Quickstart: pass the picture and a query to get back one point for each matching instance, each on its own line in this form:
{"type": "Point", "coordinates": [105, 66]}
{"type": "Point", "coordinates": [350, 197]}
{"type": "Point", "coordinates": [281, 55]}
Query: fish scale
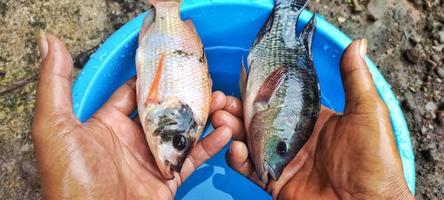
{"type": "Point", "coordinates": [174, 86]}
{"type": "Point", "coordinates": [281, 94]}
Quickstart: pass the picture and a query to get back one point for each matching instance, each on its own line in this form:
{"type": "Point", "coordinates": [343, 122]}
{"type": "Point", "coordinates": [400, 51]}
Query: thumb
{"type": "Point", "coordinates": [54, 83]}
{"type": "Point", "coordinates": [361, 94]}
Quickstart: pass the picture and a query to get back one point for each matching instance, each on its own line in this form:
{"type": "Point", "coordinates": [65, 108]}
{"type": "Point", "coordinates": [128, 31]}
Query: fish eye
{"type": "Point", "coordinates": [179, 142]}
{"type": "Point", "coordinates": [282, 148]}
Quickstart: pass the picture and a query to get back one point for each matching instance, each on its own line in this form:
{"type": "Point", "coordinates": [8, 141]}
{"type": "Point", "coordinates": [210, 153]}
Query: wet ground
{"type": "Point", "coordinates": [406, 41]}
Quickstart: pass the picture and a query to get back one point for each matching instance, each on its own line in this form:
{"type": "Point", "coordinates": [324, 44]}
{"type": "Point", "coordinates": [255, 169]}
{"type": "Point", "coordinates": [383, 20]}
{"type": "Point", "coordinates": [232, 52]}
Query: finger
{"type": "Point", "coordinates": [54, 84]}
{"type": "Point", "coordinates": [234, 106]}
{"type": "Point", "coordinates": [205, 149]}
{"type": "Point", "coordinates": [218, 102]}
{"type": "Point", "coordinates": [223, 118]}
{"type": "Point", "coordinates": [237, 158]}
{"type": "Point", "coordinates": [124, 99]}
{"type": "Point", "coordinates": [358, 81]}
{"type": "Point", "coordinates": [137, 120]}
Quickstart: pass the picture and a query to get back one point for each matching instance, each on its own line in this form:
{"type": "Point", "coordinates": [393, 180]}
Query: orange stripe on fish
{"type": "Point", "coordinates": [154, 90]}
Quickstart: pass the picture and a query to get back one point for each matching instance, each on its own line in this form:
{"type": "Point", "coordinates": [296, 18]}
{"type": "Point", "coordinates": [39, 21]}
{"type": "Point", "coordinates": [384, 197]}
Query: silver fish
{"type": "Point", "coordinates": [281, 95]}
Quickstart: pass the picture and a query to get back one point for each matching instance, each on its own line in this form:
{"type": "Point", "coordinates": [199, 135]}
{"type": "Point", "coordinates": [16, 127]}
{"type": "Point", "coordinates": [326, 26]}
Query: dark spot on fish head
{"type": "Point", "coordinates": [177, 129]}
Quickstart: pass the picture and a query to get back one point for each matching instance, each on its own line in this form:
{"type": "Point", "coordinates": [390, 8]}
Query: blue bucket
{"type": "Point", "coordinates": [227, 29]}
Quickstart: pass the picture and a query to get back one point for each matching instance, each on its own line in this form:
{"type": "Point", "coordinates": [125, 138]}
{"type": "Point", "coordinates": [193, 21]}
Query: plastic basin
{"type": "Point", "coordinates": [227, 29]}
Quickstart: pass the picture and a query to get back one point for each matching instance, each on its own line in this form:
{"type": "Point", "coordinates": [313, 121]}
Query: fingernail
{"type": "Point", "coordinates": [42, 42]}
{"type": "Point", "coordinates": [363, 48]}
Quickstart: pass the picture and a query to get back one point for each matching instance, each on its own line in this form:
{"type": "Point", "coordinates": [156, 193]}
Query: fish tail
{"type": "Point", "coordinates": [298, 4]}
{"type": "Point", "coordinates": [154, 2]}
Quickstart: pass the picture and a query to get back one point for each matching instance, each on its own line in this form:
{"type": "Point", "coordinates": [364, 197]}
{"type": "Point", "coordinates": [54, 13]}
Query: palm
{"type": "Point", "coordinates": [347, 146]}
{"type": "Point", "coordinates": [110, 153]}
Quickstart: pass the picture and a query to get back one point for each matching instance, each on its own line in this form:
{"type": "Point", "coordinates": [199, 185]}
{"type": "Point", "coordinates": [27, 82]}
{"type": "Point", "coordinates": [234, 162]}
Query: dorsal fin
{"type": "Point", "coordinates": [190, 25]}
{"type": "Point", "coordinates": [299, 4]}
{"type": "Point", "coordinates": [307, 34]}
{"type": "Point", "coordinates": [154, 2]}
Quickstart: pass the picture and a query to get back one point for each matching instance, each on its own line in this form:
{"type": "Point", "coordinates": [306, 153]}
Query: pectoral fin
{"type": "Point", "coordinates": [154, 90]}
{"type": "Point", "coordinates": [271, 84]}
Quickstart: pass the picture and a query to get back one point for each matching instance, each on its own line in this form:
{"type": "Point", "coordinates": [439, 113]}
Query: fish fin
{"type": "Point", "coordinates": [190, 25]}
{"type": "Point", "coordinates": [137, 87]}
{"type": "Point", "coordinates": [299, 4]}
{"type": "Point", "coordinates": [256, 146]}
{"type": "Point", "coordinates": [265, 28]}
{"type": "Point", "coordinates": [147, 22]}
{"type": "Point", "coordinates": [154, 2]}
{"type": "Point", "coordinates": [243, 79]}
{"type": "Point", "coordinates": [270, 85]}
{"type": "Point", "coordinates": [154, 90]}
{"type": "Point", "coordinates": [307, 34]}
{"type": "Point", "coordinates": [264, 178]}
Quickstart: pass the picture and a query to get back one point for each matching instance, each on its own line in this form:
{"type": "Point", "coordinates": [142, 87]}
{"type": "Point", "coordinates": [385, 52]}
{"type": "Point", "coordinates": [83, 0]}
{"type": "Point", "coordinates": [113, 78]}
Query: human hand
{"type": "Point", "coordinates": [106, 157]}
{"type": "Point", "coordinates": [349, 156]}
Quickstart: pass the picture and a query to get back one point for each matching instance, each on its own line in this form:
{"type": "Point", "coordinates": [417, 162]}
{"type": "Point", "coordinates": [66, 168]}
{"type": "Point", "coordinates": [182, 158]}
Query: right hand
{"type": "Point", "coordinates": [349, 156]}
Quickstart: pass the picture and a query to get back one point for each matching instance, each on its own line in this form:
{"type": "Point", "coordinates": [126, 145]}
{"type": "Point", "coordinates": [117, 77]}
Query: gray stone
{"type": "Point", "coordinates": [357, 6]}
{"type": "Point", "coordinates": [423, 130]}
{"type": "Point", "coordinates": [440, 72]}
{"type": "Point", "coordinates": [431, 106]}
{"type": "Point", "coordinates": [441, 36]}
{"type": "Point", "coordinates": [413, 55]}
{"type": "Point", "coordinates": [28, 169]}
{"type": "Point", "coordinates": [430, 155]}
{"type": "Point", "coordinates": [376, 9]}
{"type": "Point", "coordinates": [441, 117]}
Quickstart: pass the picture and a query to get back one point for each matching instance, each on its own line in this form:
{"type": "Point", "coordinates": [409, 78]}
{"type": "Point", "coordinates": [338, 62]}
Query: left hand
{"type": "Point", "coordinates": [107, 157]}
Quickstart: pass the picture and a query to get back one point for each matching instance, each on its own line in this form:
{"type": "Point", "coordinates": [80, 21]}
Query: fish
{"type": "Point", "coordinates": [173, 85]}
{"type": "Point", "coordinates": [280, 91]}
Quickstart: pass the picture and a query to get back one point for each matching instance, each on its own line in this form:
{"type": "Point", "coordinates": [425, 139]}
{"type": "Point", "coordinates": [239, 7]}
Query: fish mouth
{"type": "Point", "coordinates": [275, 173]}
{"type": "Point", "coordinates": [168, 169]}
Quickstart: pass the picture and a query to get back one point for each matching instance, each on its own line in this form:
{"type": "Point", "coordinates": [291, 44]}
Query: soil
{"type": "Point", "coordinates": [406, 40]}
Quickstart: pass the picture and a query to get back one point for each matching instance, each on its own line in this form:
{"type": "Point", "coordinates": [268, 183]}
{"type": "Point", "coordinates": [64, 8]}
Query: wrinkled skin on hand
{"type": "Point", "coordinates": [106, 157]}
{"type": "Point", "coordinates": [349, 156]}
